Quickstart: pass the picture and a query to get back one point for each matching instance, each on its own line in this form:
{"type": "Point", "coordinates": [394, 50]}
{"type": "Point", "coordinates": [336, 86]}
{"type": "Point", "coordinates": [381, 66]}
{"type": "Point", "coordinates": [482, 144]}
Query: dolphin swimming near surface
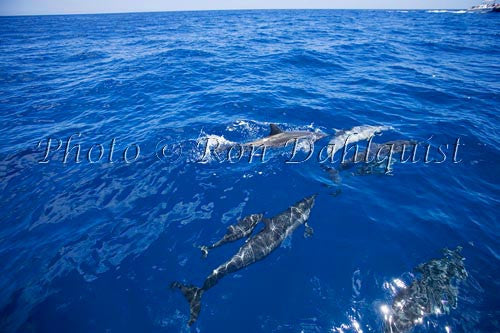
{"type": "Point", "coordinates": [371, 162]}
{"type": "Point", "coordinates": [256, 248]}
{"type": "Point", "coordinates": [241, 229]}
{"type": "Point", "coordinates": [383, 150]}
{"type": "Point", "coordinates": [434, 292]}
{"type": "Point", "coordinates": [279, 138]}
{"type": "Point", "coordinates": [355, 134]}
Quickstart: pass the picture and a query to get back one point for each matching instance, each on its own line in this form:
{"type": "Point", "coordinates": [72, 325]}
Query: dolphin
{"type": "Point", "coordinates": [370, 162]}
{"type": "Point", "coordinates": [241, 229]}
{"type": "Point", "coordinates": [434, 292]}
{"type": "Point", "coordinates": [255, 248]}
{"type": "Point", "coordinates": [355, 134]}
{"type": "Point", "coordinates": [383, 150]}
{"type": "Point", "coordinates": [279, 138]}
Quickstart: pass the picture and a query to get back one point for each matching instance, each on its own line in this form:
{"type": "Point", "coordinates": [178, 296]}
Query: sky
{"type": "Point", "coordinates": [42, 7]}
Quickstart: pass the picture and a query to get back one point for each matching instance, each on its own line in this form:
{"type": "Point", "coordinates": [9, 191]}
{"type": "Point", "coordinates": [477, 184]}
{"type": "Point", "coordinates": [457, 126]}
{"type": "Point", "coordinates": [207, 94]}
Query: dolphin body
{"type": "Point", "coordinates": [370, 163]}
{"type": "Point", "coordinates": [243, 228]}
{"type": "Point", "coordinates": [355, 134]}
{"type": "Point", "coordinates": [256, 248]}
{"type": "Point", "coordinates": [434, 292]}
{"type": "Point", "coordinates": [383, 150]}
{"type": "Point", "coordinates": [279, 138]}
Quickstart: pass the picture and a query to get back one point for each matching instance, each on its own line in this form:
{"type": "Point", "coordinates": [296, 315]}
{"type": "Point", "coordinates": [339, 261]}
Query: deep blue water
{"type": "Point", "coordinates": [93, 247]}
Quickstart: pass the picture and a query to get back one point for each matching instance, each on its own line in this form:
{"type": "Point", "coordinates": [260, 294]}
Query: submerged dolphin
{"type": "Point", "coordinates": [434, 292]}
{"type": "Point", "coordinates": [382, 150]}
{"type": "Point", "coordinates": [355, 134]}
{"type": "Point", "coordinates": [279, 138]}
{"type": "Point", "coordinates": [256, 248]}
{"type": "Point", "coordinates": [243, 228]}
{"type": "Point", "coordinates": [378, 153]}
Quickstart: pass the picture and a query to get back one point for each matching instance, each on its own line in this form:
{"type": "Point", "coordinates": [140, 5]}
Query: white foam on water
{"type": "Point", "coordinates": [246, 127]}
{"type": "Point", "coordinates": [206, 143]}
{"type": "Point", "coordinates": [240, 125]}
{"type": "Point", "coordinates": [447, 11]}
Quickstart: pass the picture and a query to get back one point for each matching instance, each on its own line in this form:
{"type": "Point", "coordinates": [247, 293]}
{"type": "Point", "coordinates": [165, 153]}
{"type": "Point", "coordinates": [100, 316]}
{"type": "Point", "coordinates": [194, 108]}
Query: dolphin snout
{"type": "Point", "coordinates": [312, 198]}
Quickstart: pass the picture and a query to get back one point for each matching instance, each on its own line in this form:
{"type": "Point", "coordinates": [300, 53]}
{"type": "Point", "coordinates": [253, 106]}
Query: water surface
{"type": "Point", "coordinates": [93, 247]}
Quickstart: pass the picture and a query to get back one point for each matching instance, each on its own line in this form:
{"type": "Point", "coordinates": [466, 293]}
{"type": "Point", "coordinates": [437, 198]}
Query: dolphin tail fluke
{"type": "Point", "coordinates": [204, 251]}
{"type": "Point", "coordinates": [193, 296]}
{"type": "Point", "coordinates": [309, 231]}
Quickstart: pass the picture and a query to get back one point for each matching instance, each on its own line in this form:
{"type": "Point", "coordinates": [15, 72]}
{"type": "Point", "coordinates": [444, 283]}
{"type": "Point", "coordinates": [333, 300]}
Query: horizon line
{"type": "Point", "coordinates": [225, 9]}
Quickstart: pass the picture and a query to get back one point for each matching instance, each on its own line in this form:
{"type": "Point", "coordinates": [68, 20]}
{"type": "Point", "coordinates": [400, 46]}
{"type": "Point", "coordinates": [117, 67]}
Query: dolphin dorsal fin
{"type": "Point", "coordinates": [275, 130]}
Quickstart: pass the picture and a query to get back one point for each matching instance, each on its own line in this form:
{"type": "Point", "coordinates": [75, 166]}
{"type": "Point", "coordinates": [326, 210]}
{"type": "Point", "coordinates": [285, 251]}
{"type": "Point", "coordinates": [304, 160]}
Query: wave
{"type": "Point", "coordinates": [447, 11]}
{"type": "Point", "coordinates": [86, 56]}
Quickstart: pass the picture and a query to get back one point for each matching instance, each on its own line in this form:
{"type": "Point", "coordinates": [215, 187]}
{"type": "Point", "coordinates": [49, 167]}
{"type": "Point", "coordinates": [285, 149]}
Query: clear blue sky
{"type": "Point", "coordinates": [28, 7]}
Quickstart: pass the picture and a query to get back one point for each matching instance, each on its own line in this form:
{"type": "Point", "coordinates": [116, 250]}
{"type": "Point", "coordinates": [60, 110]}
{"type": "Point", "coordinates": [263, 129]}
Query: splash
{"type": "Point", "coordinates": [437, 11]}
{"type": "Point", "coordinates": [211, 144]}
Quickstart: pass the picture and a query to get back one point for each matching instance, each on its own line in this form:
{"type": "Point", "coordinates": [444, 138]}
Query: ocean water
{"type": "Point", "coordinates": [93, 247]}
